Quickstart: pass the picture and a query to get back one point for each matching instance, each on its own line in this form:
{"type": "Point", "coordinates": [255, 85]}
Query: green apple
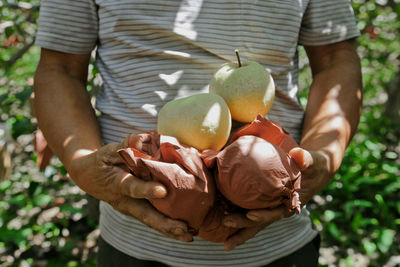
{"type": "Point", "coordinates": [248, 89]}
{"type": "Point", "coordinates": [202, 121]}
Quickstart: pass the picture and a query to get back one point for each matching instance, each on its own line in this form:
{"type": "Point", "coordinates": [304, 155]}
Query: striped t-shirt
{"type": "Point", "coordinates": [152, 51]}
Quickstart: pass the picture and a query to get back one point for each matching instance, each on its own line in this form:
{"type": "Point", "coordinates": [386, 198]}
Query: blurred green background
{"type": "Point", "coordinates": [45, 220]}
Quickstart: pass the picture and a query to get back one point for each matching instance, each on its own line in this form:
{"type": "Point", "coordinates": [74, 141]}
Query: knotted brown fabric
{"type": "Point", "coordinates": [254, 172]}
{"type": "Point", "coordinates": [190, 187]}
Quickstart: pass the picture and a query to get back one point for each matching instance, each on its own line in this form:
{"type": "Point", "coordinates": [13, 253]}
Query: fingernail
{"type": "Point", "coordinates": [159, 192]}
{"type": "Point", "coordinates": [186, 239]}
{"type": "Point", "coordinates": [253, 217]}
{"type": "Point", "coordinates": [178, 231]}
{"type": "Point", "coordinates": [228, 247]}
{"type": "Point", "coordinates": [229, 223]}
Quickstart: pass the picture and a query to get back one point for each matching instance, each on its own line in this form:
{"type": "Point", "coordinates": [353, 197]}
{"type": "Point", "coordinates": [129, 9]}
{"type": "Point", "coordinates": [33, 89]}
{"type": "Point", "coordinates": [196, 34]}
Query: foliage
{"type": "Point", "coordinates": [359, 211]}
{"type": "Point", "coordinates": [43, 215]}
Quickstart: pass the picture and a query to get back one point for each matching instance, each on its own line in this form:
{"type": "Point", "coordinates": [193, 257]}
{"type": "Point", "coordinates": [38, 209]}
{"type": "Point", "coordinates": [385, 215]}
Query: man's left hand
{"type": "Point", "coordinates": [315, 175]}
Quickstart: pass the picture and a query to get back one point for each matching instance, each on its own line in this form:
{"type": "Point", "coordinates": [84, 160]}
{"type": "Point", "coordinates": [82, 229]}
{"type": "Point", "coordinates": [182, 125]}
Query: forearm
{"type": "Point", "coordinates": [64, 113]}
{"type": "Point", "coordinates": [334, 105]}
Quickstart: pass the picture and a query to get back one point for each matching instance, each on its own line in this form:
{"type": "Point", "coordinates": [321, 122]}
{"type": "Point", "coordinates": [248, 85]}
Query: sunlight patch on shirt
{"type": "Point", "coordinates": [171, 79]}
{"type": "Point", "coordinates": [150, 108]}
{"type": "Point", "coordinates": [161, 94]}
{"type": "Point", "coordinates": [187, 14]}
{"type": "Point", "coordinates": [205, 89]}
{"type": "Point", "coordinates": [342, 29]}
{"type": "Point", "coordinates": [177, 53]}
{"type": "Point", "coordinates": [184, 91]}
{"type": "Point", "coordinates": [328, 28]}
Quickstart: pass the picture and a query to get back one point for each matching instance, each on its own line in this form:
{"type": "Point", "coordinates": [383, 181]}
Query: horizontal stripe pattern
{"type": "Point", "coordinates": [283, 238]}
{"type": "Point", "coordinates": [151, 51]}
{"type": "Point", "coordinates": [328, 22]}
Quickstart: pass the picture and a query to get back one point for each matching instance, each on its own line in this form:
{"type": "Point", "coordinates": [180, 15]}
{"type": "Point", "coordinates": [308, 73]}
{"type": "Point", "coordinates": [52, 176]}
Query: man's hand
{"type": "Point", "coordinates": [68, 121]}
{"type": "Point", "coordinates": [102, 175]}
{"type": "Point", "coordinates": [314, 168]}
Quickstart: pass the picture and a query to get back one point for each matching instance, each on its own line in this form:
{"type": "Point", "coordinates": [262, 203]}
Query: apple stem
{"type": "Point", "coordinates": [238, 57]}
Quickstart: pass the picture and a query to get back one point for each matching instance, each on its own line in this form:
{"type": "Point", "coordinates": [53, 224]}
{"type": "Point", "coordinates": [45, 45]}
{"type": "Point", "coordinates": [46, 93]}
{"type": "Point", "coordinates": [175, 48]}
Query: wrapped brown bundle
{"type": "Point", "coordinates": [254, 173]}
{"type": "Point", "coordinates": [190, 187]}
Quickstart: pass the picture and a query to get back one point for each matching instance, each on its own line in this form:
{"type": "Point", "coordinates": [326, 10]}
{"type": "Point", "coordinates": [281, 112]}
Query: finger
{"type": "Point", "coordinates": [302, 157]}
{"type": "Point", "coordinates": [238, 220]}
{"type": "Point", "coordinates": [268, 215]}
{"type": "Point", "coordinates": [144, 212]}
{"type": "Point", "coordinates": [135, 187]}
{"type": "Point", "coordinates": [135, 141]}
{"type": "Point", "coordinates": [241, 237]}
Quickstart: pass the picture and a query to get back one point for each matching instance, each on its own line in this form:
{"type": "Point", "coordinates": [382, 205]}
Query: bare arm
{"type": "Point", "coordinates": [63, 106]}
{"type": "Point", "coordinates": [335, 100]}
{"type": "Point", "coordinates": [69, 124]}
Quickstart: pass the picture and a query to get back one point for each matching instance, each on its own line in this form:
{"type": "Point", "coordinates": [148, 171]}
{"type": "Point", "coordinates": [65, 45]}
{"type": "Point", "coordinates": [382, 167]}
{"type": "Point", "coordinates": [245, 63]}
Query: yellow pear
{"type": "Point", "coordinates": [202, 121]}
{"type": "Point", "coordinates": [248, 89]}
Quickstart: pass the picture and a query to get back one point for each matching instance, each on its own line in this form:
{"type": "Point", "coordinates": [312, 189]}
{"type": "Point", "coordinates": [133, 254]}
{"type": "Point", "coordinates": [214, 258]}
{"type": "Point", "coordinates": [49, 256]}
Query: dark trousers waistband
{"type": "Point", "coordinates": [108, 256]}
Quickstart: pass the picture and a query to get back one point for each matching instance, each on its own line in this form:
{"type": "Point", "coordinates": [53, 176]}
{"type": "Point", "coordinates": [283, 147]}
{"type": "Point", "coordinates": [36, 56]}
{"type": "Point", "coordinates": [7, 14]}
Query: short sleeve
{"type": "Point", "coordinates": [69, 26]}
{"type": "Point", "coordinates": [326, 22]}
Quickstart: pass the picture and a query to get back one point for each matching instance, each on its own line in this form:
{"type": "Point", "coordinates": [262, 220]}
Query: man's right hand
{"type": "Point", "coordinates": [68, 121]}
{"type": "Point", "coordinates": [101, 173]}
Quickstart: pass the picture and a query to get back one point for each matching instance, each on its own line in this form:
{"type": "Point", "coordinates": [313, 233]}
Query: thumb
{"type": "Point", "coordinates": [136, 141]}
{"type": "Point", "coordinates": [302, 157]}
